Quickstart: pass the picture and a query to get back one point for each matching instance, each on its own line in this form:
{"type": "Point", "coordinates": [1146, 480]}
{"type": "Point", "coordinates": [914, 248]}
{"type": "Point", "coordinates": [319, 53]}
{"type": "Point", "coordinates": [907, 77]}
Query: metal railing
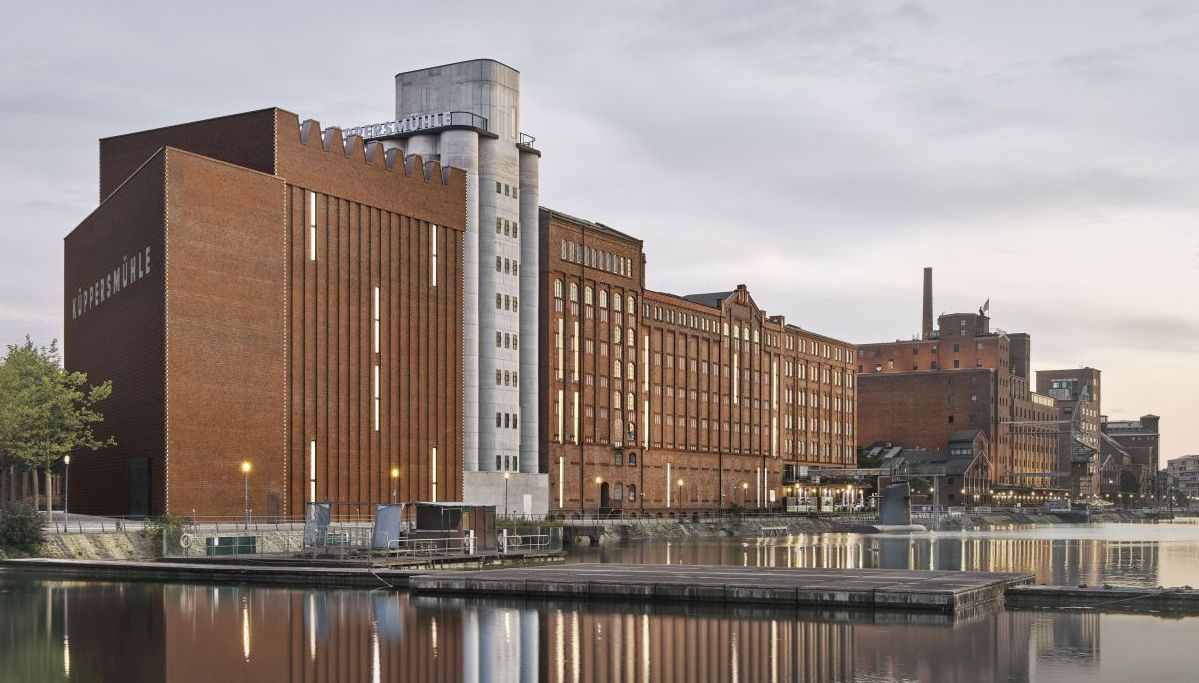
{"type": "Point", "coordinates": [527, 140]}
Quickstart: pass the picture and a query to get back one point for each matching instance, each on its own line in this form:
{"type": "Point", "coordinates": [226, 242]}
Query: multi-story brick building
{"type": "Point", "coordinates": [658, 401]}
{"type": "Point", "coordinates": [262, 291]}
{"type": "Point", "coordinates": [961, 375]}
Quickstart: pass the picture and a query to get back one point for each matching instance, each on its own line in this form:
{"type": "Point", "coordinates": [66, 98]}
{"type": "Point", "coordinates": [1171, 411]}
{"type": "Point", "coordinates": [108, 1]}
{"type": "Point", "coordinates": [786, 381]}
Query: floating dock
{"type": "Point", "coordinates": [1100, 599]}
{"type": "Point", "coordinates": [944, 591]}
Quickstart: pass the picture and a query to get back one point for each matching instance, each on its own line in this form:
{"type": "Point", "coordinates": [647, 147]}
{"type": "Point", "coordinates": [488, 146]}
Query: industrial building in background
{"type": "Point", "coordinates": [278, 309]}
{"type": "Point", "coordinates": [656, 401]}
{"type": "Point", "coordinates": [962, 375]}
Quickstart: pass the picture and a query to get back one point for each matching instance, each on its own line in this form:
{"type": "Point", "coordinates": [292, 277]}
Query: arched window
{"type": "Point", "coordinates": [736, 329]}
{"type": "Point", "coordinates": [745, 334]}
{"type": "Point", "coordinates": [756, 338]}
{"type": "Point", "coordinates": [726, 329]}
{"type": "Point", "coordinates": [587, 294]}
{"type": "Point", "coordinates": [616, 302]}
{"type": "Point", "coordinates": [632, 492]}
{"type": "Point", "coordinates": [629, 336]}
{"type": "Point", "coordinates": [616, 369]}
{"type": "Point", "coordinates": [603, 298]}
{"type": "Point", "coordinates": [630, 373]}
{"type": "Point", "coordinates": [629, 401]}
{"type": "Point", "coordinates": [557, 289]}
{"type": "Point", "coordinates": [574, 292]}
{"type": "Point", "coordinates": [632, 304]}
{"type": "Point", "coordinates": [616, 400]}
{"type": "Point", "coordinates": [616, 335]}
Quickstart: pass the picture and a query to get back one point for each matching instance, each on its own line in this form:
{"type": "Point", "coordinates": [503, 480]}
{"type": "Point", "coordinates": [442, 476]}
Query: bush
{"type": "Point", "coordinates": [21, 531]}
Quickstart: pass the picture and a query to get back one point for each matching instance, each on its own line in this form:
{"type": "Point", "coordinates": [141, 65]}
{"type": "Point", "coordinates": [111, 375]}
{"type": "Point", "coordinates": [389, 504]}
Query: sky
{"type": "Point", "coordinates": [1040, 155]}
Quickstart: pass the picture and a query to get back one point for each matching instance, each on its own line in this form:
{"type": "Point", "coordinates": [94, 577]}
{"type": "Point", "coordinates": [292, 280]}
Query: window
{"type": "Point", "coordinates": [499, 222]}
{"type": "Point", "coordinates": [629, 401]}
{"type": "Point", "coordinates": [499, 262]}
{"type": "Point", "coordinates": [574, 292]}
{"type": "Point", "coordinates": [632, 491]}
{"type": "Point", "coordinates": [616, 335]}
{"type": "Point", "coordinates": [632, 304]}
{"type": "Point", "coordinates": [557, 289]}
{"type": "Point", "coordinates": [587, 296]}
{"type": "Point", "coordinates": [616, 302]}
{"type": "Point", "coordinates": [618, 492]}
{"type": "Point", "coordinates": [497, 419]}
{"type": "Point", "coordinates": [515, 229]}
{"type": "Point", "coordinates": [629, 336]}
{"type": "Point", "coordinates": [617, 458]}
{"type": "Point", "coordinates": [632, 458]}
{"type": "Point", "coordinates": [498, 188]}
{"type": "Point", "coordinates": [603, 298]}
{"type": "Point", "coordinates": [499, 300]}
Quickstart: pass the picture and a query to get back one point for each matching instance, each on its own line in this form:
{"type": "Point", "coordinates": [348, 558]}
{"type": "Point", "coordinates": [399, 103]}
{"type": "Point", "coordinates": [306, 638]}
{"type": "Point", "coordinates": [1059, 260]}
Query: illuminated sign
{"type": "Point", "coordinates": [130, 270]}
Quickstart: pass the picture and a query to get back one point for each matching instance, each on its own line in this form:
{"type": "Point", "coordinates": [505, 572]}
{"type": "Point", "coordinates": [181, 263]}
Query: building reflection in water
{"type": "Point", "coordinates": [1052, 561]}
{"type": "Point", "coordinates": [155, 632]}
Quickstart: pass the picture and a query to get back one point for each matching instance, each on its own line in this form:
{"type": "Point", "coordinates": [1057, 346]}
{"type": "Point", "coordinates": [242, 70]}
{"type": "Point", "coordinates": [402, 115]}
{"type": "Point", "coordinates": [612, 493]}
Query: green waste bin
{"type": "Point", "coordinates": [231, 545]}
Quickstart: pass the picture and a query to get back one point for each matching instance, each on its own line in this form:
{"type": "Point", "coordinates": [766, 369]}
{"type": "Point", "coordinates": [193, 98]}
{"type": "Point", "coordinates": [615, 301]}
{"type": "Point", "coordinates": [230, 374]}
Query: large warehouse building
{"type": "Point", "coordinates": [261, 291]}
{"type": "Point", "coordinates": [656, 401]}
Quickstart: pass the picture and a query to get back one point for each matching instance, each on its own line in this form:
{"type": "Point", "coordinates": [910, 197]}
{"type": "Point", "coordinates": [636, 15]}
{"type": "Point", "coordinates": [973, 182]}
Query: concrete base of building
{"type": "Point", "coordinates": [526, 494]}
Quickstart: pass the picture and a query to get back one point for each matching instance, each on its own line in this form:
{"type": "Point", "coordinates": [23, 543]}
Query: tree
{"type": "Point", "coordinates": [46, 412]}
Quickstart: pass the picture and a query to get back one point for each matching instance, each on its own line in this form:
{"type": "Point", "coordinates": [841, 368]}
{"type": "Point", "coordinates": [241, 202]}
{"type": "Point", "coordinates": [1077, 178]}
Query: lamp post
{"type": "Point", "coordinates": [245, 470]}
{"type": "Point", "coordinates": [395, 480]}
{"type": "Point", "coordinates": [507, 475]}
{"type": "Point", "coordinates": [66, 487]}
{"type": "Point", "coordinates": [680, 490]}
{"type": "Point", "coordinates": [744, 493]}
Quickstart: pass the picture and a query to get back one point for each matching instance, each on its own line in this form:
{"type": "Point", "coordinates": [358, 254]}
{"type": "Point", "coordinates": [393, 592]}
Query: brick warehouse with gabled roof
{"type": "Point", "coordinates": [260, 290]}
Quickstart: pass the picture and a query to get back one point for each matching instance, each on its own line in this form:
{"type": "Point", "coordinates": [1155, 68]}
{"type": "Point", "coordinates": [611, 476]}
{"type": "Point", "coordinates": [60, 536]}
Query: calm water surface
{"type": "Point", "coordinates": [96, 631]}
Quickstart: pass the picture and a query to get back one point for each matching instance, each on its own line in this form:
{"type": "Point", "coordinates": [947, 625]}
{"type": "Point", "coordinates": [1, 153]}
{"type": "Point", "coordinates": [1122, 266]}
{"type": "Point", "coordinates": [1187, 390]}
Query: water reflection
{"type": "Point", "coordinates": [155, 632]}
{"type": "Point", "coordinates": [1130, 554]}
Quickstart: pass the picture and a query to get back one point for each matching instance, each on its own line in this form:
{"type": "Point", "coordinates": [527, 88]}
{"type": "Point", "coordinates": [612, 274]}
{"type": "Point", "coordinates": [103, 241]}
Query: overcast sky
{"type": "Point", "coordinates": [1040, 154]}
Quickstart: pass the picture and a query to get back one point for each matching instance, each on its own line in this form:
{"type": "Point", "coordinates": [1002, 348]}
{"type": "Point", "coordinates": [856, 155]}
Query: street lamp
{"type": "Point", "coordinates": [744, 493]}
{"type": "Point", "coordinates": [66, 486]}
{"type": "Point", "coordinates": [680, 482]}
{"type": "Point", "coordinates": [395, 480]}
{"type": "Point", "coordinates": [245, 470]}
{"type": "Point", "coordinates": [507, 475]}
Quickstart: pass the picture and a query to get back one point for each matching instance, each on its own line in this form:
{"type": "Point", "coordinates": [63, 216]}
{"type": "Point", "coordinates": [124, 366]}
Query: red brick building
{"type": "Point", "coordinates": [656, 401]}
{"type": "Point", "coordinates": [961, 375]}
{"type": "Point", "coordinates": [262, 291]}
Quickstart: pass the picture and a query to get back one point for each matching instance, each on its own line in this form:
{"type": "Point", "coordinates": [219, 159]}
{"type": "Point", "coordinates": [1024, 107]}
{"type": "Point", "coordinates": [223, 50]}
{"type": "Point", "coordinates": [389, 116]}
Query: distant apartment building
{"type": "Point", "coordinates": [1078, 398]}
{"type": "Point", "coordinates": [1182, 476]}
{"type": "Point", "coordinates": [962, 374]}
{"type": "Point", "coordinates": [657, 401]}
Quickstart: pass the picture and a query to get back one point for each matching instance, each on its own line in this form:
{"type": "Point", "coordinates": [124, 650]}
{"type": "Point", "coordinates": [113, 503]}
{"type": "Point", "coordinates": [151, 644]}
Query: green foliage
{"type": "Point", "coordinates": [170, 527]}
{"type": "Point", "coordinates": [21, 531]}
{"type": "Point", "coordinates": [46, 412]}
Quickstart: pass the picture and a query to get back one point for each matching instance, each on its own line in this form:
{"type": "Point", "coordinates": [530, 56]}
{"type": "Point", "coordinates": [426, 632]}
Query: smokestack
{"type": "Point", "coordinates": [926, 329]}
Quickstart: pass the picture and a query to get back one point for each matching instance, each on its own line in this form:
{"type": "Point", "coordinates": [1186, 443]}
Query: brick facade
{"type": "Point", "coordinates": [248, 340]}
{"type": "Point", "coordinates": [645, 389]}
{"type": "Point", "coordinates": [964, 375]}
